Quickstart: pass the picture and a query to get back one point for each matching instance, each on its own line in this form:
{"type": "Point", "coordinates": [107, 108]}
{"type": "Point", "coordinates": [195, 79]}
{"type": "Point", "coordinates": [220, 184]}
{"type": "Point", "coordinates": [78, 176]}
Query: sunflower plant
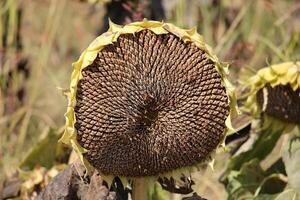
{"type": "Point", "coordinates": [273, 101]}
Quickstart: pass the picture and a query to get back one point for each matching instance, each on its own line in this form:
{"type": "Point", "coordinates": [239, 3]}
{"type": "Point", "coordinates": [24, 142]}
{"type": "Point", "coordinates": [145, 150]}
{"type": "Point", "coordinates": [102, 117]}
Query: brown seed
{"type": "Point", "coordinates": [149, 104]}
{"type": "Point", "coordinates": [280, 102]}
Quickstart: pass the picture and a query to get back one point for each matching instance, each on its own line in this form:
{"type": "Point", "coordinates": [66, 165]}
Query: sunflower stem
{"type": "Point", "coordinates": [140, 189]}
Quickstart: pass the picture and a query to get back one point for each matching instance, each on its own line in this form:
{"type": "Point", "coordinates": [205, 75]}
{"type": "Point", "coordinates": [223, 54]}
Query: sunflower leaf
{"type": "Point", "coordinates": [291, 159]}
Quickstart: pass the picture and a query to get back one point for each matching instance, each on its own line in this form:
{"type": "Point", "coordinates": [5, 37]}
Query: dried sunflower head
{"type": "Point", "coordinates": [275, 94]}
{"type": "Point", "coordinates": [146, 99]}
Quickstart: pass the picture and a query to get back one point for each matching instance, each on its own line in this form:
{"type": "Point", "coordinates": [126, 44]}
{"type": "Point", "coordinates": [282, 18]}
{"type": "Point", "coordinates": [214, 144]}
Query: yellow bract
{"type": "Point", "coordinates": [274, 75]}
{"type": "Point", "coordinates": [111, 36]}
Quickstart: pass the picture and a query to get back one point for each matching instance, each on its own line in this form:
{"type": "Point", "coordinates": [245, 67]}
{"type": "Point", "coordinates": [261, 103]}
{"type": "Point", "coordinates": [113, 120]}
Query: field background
{"type": "Point", "coordinates": [39, 40]}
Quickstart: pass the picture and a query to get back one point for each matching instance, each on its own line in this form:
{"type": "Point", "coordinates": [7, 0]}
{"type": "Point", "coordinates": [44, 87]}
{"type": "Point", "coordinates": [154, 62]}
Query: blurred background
{"type": "Point", "coordinates": [39, 40]}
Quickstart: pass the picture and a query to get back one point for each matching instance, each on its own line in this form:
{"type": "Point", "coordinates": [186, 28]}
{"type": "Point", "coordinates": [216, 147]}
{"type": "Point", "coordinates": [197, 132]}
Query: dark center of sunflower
{"type": "Point", "coordinates": [149, 114]}
{"type": "Point", "coordinates": [281, 102]}
{"type": "Point", "coordinates": [149, 104]}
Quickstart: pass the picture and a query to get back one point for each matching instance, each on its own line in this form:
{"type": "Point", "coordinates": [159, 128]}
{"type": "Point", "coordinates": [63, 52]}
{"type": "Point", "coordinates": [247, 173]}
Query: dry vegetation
{"type": "Point", "coordinates": [40, 40]}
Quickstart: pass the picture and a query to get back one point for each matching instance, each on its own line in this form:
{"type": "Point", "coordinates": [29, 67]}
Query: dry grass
{"type": "Point", "coordinates": [54, 32]}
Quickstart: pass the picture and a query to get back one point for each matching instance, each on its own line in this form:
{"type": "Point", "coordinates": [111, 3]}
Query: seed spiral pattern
{"type": "Point", "coordinates": [281, 102]}
{"type": "Point", "coordinates": [149, 104]}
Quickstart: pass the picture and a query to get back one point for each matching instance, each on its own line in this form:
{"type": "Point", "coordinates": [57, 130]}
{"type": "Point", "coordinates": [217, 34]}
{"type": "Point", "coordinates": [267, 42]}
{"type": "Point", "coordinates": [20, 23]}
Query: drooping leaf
{"type": "Point", "coordinates": [243, 184]}
{"type": "Point", "coordinates": [291, 158]}
{"type": "Point", "coordinates": [252, 182]}
{"type": "Point", "coordinates": [260, 149]}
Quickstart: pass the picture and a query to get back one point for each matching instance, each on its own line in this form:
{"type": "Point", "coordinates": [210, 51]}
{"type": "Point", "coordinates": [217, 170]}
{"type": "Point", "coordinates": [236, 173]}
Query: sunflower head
{"type": "Point", "coordinates": [146, 99]}
{"type": "Point", "coordinates": [275, 95]}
